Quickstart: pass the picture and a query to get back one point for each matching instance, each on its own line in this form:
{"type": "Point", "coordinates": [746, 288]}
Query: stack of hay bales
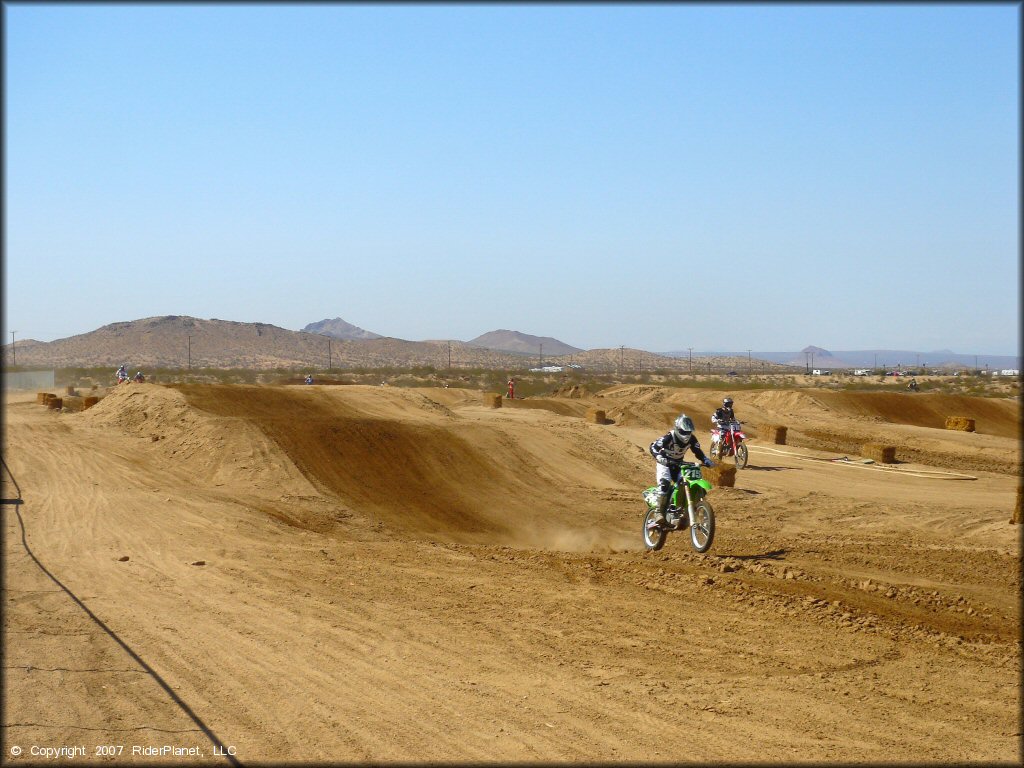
{"type": "Point", "coordinates": [69, 389]}
{"type": "Point", "coordinates": [493, 399]}
{"type": "Point", "coordinates": [596, 416]}
{"type": "Point", "coordinates": [961, 423]}
{"type": "Point", "coordinates": [54, 403]}
{"type": "Point", "coordinates": [774, 433]}
{"type": "Point", "coordinates": [42, 397]}
{"type": "Point", "coordinates": [883, 454]}
{"type": "Point", "coordinates": [721, 475]}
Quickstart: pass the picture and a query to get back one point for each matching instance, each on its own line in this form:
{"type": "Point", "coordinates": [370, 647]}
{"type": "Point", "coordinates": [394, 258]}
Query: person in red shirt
{"type": "Point", "coordinates": [511, 389]}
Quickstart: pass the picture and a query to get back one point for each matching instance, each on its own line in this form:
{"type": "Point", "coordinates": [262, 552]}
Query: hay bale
{"type": "Point", "coordinates": [493, 399]}
{"type": "Point", "coordinates": [89, 402]}
{"type": "Point", "coordinates": [1018, 516]}
{"type": "Point", "coordinates": [883, 454]}
{"type": "Point", "coordinates": [54, 403]}
{"type": "Point", "coordinates": [596, 416]}
{"type": "Point", "coordinates": [774, 433]}
{"type": "Point", "coordinates": [47, 397]}
{"type": "Point", "coordinates": [721, 475]}
{"type": "Point", "coordinates": [69, 389]}
{"type": "Point", "coordinates": [41, 397]}
{"type": "Point", "coordinates": [961, 423]}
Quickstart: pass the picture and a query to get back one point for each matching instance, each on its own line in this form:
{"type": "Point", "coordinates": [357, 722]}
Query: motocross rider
{"type": "Point", "coordinates": [719, 419]}
{"type": "Point", "coordinates": [668, 451]}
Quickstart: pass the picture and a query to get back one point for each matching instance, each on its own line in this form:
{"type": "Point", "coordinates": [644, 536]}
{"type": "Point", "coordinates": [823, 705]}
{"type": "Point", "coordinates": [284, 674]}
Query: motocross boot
{"type": "Point", "coordinates": [664, 494]}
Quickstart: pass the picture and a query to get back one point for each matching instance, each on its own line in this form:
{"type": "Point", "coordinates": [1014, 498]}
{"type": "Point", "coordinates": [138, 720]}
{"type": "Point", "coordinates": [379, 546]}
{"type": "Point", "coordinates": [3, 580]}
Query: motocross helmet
{"type": "Point", "coordinates": [727, 402]}
{"type": "Point", "coordinates": [683, 428]}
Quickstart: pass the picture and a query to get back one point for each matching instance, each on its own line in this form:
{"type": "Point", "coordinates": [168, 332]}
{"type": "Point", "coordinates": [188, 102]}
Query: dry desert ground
{"type": "Point", "coordinates": [269, 574]}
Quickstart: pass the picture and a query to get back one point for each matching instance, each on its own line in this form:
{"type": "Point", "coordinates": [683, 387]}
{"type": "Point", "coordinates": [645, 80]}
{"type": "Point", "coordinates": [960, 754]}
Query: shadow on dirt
{"type": "Point", "coordinates": [775, 554]}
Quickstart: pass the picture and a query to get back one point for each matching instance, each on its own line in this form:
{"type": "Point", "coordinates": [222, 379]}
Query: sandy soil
{"type": "Point", "coordinates": [382, 574]}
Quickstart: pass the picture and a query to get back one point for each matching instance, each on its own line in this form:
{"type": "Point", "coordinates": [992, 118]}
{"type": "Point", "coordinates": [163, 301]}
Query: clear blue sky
{"type": "Point", "coordinates": [594, 173]}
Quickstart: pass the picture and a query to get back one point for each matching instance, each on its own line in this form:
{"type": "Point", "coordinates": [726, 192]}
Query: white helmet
{"type": "Point", "coordinates": [683, 428]}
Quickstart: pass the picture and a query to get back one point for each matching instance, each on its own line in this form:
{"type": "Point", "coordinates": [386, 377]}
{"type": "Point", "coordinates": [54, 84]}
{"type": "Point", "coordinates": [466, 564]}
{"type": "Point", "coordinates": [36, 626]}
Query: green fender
{"type": "Point", "coordinates": [702, 483]}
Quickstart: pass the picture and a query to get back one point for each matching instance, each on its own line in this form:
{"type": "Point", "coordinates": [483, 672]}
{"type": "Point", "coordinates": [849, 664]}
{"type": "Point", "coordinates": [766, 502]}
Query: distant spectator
{"type": "Point", "coordinates": [511, 389]}
{"type": "Point", "coordinates": [139, 377]}
{"type": "Point", "coordinates": [309, 378]}
{"type": "Point", "coordinates": [122, 374]}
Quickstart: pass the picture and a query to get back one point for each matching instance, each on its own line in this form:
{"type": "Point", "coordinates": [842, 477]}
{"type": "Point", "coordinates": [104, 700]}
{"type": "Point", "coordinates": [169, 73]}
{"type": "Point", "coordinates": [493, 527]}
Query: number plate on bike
{"type": "Point", "coordinates": [692, 473]}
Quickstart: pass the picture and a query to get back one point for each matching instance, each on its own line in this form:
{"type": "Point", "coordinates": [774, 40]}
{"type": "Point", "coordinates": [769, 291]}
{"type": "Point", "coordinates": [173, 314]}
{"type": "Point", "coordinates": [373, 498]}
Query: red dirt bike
{"type": "Point", "coordinates": [727, 440]}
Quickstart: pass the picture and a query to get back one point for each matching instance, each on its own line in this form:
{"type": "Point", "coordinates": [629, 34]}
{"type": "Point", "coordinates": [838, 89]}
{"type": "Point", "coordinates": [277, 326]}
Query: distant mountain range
{"type": "Point", "coordinates": [178, 341]}
{"type": "Point", "coordinates": [500, 340]}
{"type": "Point", "coordinates": [817, 357]}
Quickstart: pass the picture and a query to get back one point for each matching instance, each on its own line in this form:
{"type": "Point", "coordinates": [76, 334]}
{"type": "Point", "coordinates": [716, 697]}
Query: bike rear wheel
{"type": "Point", "coordinates": [702, 531]}
{"type": "Point", "coordinates": [654, 534]}
{"type": "Point", "coordinates": [741, 456]}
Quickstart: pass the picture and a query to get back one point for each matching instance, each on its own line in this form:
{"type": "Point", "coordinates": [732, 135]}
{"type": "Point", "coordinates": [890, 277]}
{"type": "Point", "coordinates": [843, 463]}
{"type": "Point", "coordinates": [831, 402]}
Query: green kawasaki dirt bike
{"type": "Point", "coordinates": [695, 513]}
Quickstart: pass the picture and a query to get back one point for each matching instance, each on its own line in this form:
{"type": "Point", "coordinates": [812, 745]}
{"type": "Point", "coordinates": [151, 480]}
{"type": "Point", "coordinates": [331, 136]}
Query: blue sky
{"type": "Point", "coordinates": [596, 173]}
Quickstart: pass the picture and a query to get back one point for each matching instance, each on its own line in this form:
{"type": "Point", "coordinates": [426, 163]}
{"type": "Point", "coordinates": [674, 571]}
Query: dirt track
{"type": "Point", "coordinates": [408, 575]}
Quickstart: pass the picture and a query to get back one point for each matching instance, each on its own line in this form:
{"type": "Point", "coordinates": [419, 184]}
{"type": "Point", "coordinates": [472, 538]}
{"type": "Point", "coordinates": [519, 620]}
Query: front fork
{"type": "Point", "coordinates": [689, 499]}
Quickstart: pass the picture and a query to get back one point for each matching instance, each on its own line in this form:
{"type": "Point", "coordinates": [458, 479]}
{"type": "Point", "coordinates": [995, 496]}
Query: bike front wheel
{"type": "Point", "coordinates": [702, 531]}
{"type": "Point", "coordinates": [654, 534]}
{"type": "Point", "coordinates": [741, 456]}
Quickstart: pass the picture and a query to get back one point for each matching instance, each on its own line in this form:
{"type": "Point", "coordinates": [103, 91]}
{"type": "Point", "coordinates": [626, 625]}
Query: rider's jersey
{"type": "Point", "coordinates": [723, 415]}
{"type": "Point", "coordinates": [673, 450]}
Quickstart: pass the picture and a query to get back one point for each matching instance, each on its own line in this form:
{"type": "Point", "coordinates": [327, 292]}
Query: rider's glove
{"type": "Point", "coordinates": [661, 460]}
{"type": "Point", "coordinates": [707, 463]}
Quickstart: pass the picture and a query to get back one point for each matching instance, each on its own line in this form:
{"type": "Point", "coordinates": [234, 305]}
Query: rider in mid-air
{"type": "Point", "coordinates": [668, 451]}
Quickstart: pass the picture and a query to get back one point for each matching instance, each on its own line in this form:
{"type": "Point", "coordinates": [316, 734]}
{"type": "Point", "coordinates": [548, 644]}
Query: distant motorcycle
{"type": "Point", "coordinates": [727, 440]}
{"type": "Point", "coordinates": [689, 509]}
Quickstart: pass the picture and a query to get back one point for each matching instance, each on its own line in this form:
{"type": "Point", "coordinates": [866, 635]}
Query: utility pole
{"type": "Point", "coordinates": [748, 362]}
{"type": "Point", "coordinates": [622, 350]}
{"type": "Point", "coordinates": [14, 351]}
{"type": "Point", "coordinates": [876, 361]}
{"type": "Point", "coordinates": [689, 355]}
{"type": "Point", "coordinates": [190, 353]}
{"type": "Point", "coordinates": [449, 355]}
{"type": "Point", "coordinates": [540, 360]}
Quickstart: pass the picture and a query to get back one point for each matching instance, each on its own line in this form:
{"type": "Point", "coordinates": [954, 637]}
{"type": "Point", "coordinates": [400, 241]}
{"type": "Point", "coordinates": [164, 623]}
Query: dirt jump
{"type": "Point", "coordinates": [218, 574]}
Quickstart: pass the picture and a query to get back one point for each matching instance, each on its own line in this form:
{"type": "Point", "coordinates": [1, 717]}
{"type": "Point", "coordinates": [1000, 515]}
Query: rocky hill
{"type": "Point", "coordinates": [339, 329]}
{"type": "Point", "coordinates": [523, 343]}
